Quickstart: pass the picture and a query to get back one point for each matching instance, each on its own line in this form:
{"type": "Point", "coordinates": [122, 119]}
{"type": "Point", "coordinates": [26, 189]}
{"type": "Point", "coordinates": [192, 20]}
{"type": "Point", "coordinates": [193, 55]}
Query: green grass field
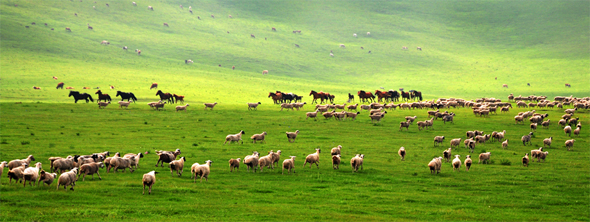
{"type": "Point", "coordinates": [465, 46]}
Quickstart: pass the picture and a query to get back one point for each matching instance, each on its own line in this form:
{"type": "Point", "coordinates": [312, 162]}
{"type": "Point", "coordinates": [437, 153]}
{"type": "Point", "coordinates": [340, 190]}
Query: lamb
{"type": "Point", "coordinates": [125, 104]}
{"type": "Point", "coordinates": [177, 165]}
{"type": "Point", "coordinates": [410, 119]}
{"type": "Point", "coordinates": [547, 141]}
{"type": "Point", "coordinates": [258, 137]}
{"type": "Point", "coordinates": [47, 178]}
{"type": "Point", "coordinates": [484, 157]}
{"type": "Point", "coordinates": [67, 178]}
{"type": "Point", "coordinates": [352, 115]}
{"type": "Point", "coordinates": [336, 161]}
{"type": "Point", "coordinates": [377, 117]}
{"type": "Point", "coordinates": [518, 119]}
{"type": "Point", "coordinates": [292, 136]}
{"type": "Point", "coordinates": [107, 161]}
{"type": "Point", "coordinates": [31, 174]}
{"type": "Point", "coordinates": [251, 161]}
{"type": "Point", "coordinates": [526, 138]}
{"type": "Point", "coordinates": [542, 156]}
{"type": "Point", "coordinates": [149, 179]}
{"type": "Point", "coordinates": [253, 106]}
{"type": "Point", "coordinates": [533, 126]}
{"type": "Point", "coordinates": [234, 137]}
{"type": "Point", "coordinates": [500, 135]}
{"type": "Point", "coordinates": [456, 163]}
{"type": "Point", "coordinates": [122, 163]}
{"type": "Point", "coordinates": [202, 170]}
{"type": "Point", "coordinates": [90, 168]}
{"type": "Point", "coordinates": [289, 164]}
{"type": "Point", "coordinates": [456, 142]}
{"type": "Point", "coordinates": [352, 107]}
{"type": "Point", "coordinates": [137, 156]}
{"type": "Point", "coordinates": [210, 105]}
{"type": "Point", "coordinates": [313, 158]}
{"type": "Point", "coordinates": [568, 130]}
{"type": "Point", "coordinates": [234, 164]}
{"type": "Point", "coordinates": [312, 114]}
{"type": "Point", "coordinates": [286, 106]}
{"type": "Point", "coordinates": [435, 165]}
{"type": "Point", "coordinates": [447, 154]}
{"type": "Point", "coordinates": [18, 163]}
{"type": "Point", "coordinates": [17, 173]}
{"type": "Point", "coordinates": [365, 107]}
{"type": "Point", "coordinates": [402, 153]}
{"type": "Point", "coordinates": [482, 138]}
{"type": "Point", "coordinates": [181, 107]}
{"type": "Point", "coordinates": [265, 161]}
{"type": "Point", "coordinates": [404, 124]}
{"type": "Point", "coordinates": [576, 131]}
{"type": "Point", "coordinates": [505, 144]}
{"type": "Point", "coordinates": [525, 160]}
{"type": "Point", "coordinates": [569, 144]}
{"type": "Point", "coordinates": [102, 105]}
{"type": "Point", "coordinates": [336, 150]}
{"type": "Point", "coordinates": [167, 156]}
{"type": "Point", "coordinates": [438, 140]}
{"type": "Point", "coordinates": [535, 153]}
{"type": "Point", "coordinates": [356, 162]}
{"type": "Point", "coordinates": [562, 122]}
{"type": "Point", "coordinates": [276, 156]}
{"type": "Point", "coordinates": [264, 72]}
{"type": "Point", "coordinates": [467, 163]}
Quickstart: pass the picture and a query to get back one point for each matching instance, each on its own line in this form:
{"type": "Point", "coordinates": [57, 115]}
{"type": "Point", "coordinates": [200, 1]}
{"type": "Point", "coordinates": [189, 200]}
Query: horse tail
{"type": "Point", "coordinates": [420, 96]}
{"type": "Point", "coordinates": [133, 97]}
{"type": "Point", "coordinates": [109, 97]}
{"type": "Point", "coordinates": [90, 97]}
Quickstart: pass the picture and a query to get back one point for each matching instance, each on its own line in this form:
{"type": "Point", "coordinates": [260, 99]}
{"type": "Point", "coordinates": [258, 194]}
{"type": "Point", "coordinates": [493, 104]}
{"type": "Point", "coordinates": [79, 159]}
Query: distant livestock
{"type": "Point", "coordinates": [166, 24]}
{"type": "Point", "coordinates": [154, 86]}
{"type": "Point", "coordinates": [505, 86]}
{"type": "Point", "coordinates": [419, 48]}
{"type": "Point", "coordinates": [342, 46]}
{"type": "Point", "coordinates": [151, 8]}
{"type": "Point", "coordinates": [264, 72]}
{"type": "Point", "coordinates": [68, 29]}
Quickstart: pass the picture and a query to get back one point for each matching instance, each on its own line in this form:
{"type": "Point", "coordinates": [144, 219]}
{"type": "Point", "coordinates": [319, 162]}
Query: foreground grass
{"type": "Point", "coordinates": [387, 188]}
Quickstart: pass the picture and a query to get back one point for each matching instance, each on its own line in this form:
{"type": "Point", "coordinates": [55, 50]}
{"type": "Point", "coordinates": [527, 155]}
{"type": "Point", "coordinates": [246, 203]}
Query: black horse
{"type": "Point", "coordinates": [393, 95]}
{"type": "Point", "coordinates": [165, 96]}
{"type": "Point", "coordinates": [126, 96]}
{"type": "Point", "coordinates": [78, 96]}
{"type": "Point", "coordinates": [416, 94]}
{"type": "Point", "coordinates": [350, 97]}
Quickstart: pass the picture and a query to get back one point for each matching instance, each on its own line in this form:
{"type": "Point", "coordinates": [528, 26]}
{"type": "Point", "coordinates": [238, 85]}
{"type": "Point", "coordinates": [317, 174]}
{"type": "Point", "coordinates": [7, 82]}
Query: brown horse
{"type": "Point", "coordinates": [275, 97]}
{"type": "Point", "coordinates": [380, 95]}
{"type": "Point", "coordinates": [165, 96]}
{"type": "Point", "coordinates": [364, 96]}
{"type": "Point", "coordinates": [154, 86]}
{"type": "Point", "coordinates": [405, 95]}
{"type": "Point", "coordinates": [416, 94]}
{"type": "Point", "coordinates": [60, 85]}
{"type": "Point", "coordinates": [316, 96]}
{"type": "Point", "coordinates": [330, 97]}
{"type": "Point", "coordinates": [178, 98]}
{"type": "Point", "coordinates": [101, 96]}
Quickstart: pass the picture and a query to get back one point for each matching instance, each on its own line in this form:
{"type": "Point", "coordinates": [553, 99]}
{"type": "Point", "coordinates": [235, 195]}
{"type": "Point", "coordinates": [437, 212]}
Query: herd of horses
{"type": "Point", "coordinates": [85, 96]}
{"type": "Point", "coordinates": [365, 96]}
{"type": "Point", "coordinates": [280, 97]}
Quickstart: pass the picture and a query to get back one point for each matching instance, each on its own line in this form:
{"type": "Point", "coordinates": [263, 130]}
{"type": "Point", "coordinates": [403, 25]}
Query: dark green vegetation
{"type": "Point", "coordinates": [465, 45]}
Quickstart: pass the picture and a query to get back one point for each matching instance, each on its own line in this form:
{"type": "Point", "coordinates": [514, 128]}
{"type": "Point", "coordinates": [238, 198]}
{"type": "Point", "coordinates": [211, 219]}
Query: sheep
{"type": "Point", "coordinates": [181, 107]}
{"type": "Point", "coordinates": [18, 163]}
{"type": "Point", "coordinates": [159, 106]}
{"type": "Point", "coordinates": [365, 107]}
{"type": "Point", "coordinates": [438, 140]}
{"type": "Point", "coordinates": [526, 138]}
{"type": "Point", "coordinates": [352, 115]}
{"type": "Point", "coordinates": [456, 142]}
{"type": "Point", "coordinates": [354, 35]}
{"type": "Point", "coordinates": [525, 160]}
{"type": "Point", "coordinates": [456, 163]}
{"type": "Point", "coordinates": [107, 161]}
{"type": "Point", "coordinates": [122, 163]}
{"type": "Point", "coordinates": [547, 141]}
{"type": "Point", "coordinates": [357, 161]}
{"type": "Point", "coordinates": [298, 105]}
{"type": "Point", "coordinates": [253, 106]}
{"type": "Point", "coordinates": [151, 8]}
{"type": "Point", "coordinates": [447, 154]}
{"type": "Point", "coordinates": [137, 157]}
{"type": "Point", "coordinates": [402, 153]}
{"type": "Point", "coordinates": [467, 163]}
{"type": "Point", "coordinates": [342, 46]}
{"type": "Point", "coordinates": [535, 153]}
{"type": "Point", "coordinates": [500, 135]}
{"type": "Point", "coordinates": [177, 165]}
{"type": "Point", "coordinates": [542, 156]}
{"type": "Point", "coordinates": [202, 170]}
{"type": "Point", "coordinates": [374, 111]}
{"type": "Point", "coordinates": [336, 161]}
{"type": "Point", "coordinates": [568, 130]}
{"type": "Point", "coordinates": [343, 106]}
{"type": "Point", "coordinates": [518, 119]}
{"type": "Point", "coordinates": [251, 161]}
{"type": "Point", "coordinates": [210, 105]}
{"type": "Point", "coordinates": [47, 178]}
{"type": "Point", "coordinates": [377, 117]}
{"type": "Point", "coordinates": [234, 164]}
{"type": "Point", "coordinates": [289, 164]}
{"type": "Point", "coordinates": [533, 126]}
{"type": "Point", "coordinates": [562, 122]}
{"type": "Point", "coordinates": [569, 144]}
{"type": "Point", "coordinates": [352, 107]}
{"type": "Point", "coordinates": [484, 157]}
{"type": "Point", "coordinates": [167, 156]}
{"type": "Point", "coordinates": [313, 158]}
{"type": "Point", "coordinates": [234, 137]}
{"type": "Point", "coordinates": [276, 156]}
{"type": "Point", "coordinates": [328, 115]}
{"type": "Point", "coordinates": [410, 119]}
{"type": "Point", "coordinates": [265, 161]}
{"type": "Point", "coordinates": [576, 131]}
{"type": "Point", "coordinates": [482, 138]}
{"type": "Point", "coordinates": [258, 137]}
{"type": "Point", "coordinates": [435, 165]}
{"type": "Point", "coordinates": [264, 72]}
{"type": "Point", "coordinates": [312, 114]}
{"type": "Point", "coordinates": [149, 179]}
{"type": "Point", "coordinates": [336, 150]}
{"type": "Point", "coordinates": [505, 144]}
{"type": "Point", "coordinates": [404, 124]}
{"type": "Point", "coordinates": [3, 164]}
{"type": "Point", "coordinates": [31, 174]}
{"type": "Point", "coordinates": [286, 106]}
{"type": "Point", "coordinates": [125, 104]}
{"type": "Point", "coordinates": [17, 173]}
{"type": "Point", "coordinates": [90, 168]}
{"type": "Point", "coordinates": [67, 178]}
{"type": "Point", "coordinates": [291, 136]}
{"type": "Point", "coordinates": [368, 33]}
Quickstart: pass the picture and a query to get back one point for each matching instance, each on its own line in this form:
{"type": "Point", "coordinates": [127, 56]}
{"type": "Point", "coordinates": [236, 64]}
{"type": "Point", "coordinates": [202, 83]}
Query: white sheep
{"type": "Point", "coordinates": [47, 178]}
{"type": "Point", "coordinates": [356, 162]}
{"type": "Point", "coordinates": [286, 106]}
{"type": "Point", "coordinates": [354, 35]}
{"type": "Point", "coordinates": [447, 154]}
{"type": "Point", "coordinates": [234, 137]}
{"type": "Point", "coordinates": [542, 156]}
{"type": "Point", "coordinates": [467, 163]}
{"type": "Point", "coordinates": [535, 153]}
{"type": "Point", "coordinates": [234, 164]}
{"type": "Point", "coordinates": [312, 114]}
{"type": "Point", "coordinates": [438, 140]}
{"type": "Point", "coordinates": [569, 144]}
{"type": "Point", "coordinates": [90, 168]}
{"type": "Point", "coordinates": [18, 163]}
{"type": "Point", "coordinates": [181, 107]}
{"type": "Point", "coordinates": [402, 153]}
{"type": "Point", "coordinates": [253, 106]}
{"type": "Point", "coordinates": [377, 117]}
{"type": "Point", "coordinates": [68, 178]}
{"type": "Point", "coordinates": [313, 158]}
{"type": "Point", "coordinates": [258, 137]}
{"type": "Point", "coordinates": [276, 156]}
{"type": "Point", "coordinates": [149, 179]}
{"type": "Point", "coordinates": [336, 150]}
{"type": "Point", "coordinates": [137, 157]}
{"type": "Point", "coordinates": [456, 142]}
{"type": "Point", "coordinates": [525, 160]}
{"type": "Point", "coordinates": [336, 161]}
{"type": "Point", "coordinates": [547, 141]}
{"type": "Point", "coordinates": [203, 171]}
{"type": "Point", "coordinates": [505, 144]}
{"type": "Point", "coordinates": [2, 166]}
{"type": "Point", "coordinates": [577, 130]}
{"type": "Point", "coordinates": [210, 105]}
{"type": "Point", "coordinates": [122, 163]}
{"type": "Point", "coordinates": [265, 161]}
{"type": "Point", "coordinates": [568, 130]}
{"type": "Point", "coordinates": [31, 174]}
{"type": "Point", "coordinates": [289, 164]}
{"type": "Point", "coordinates": [251, 161]}
{"type": "Point", "coordinates": [124, 103]}
{"type": "Point", "coordinates": [102, 105]}
{"type": "Point", "coordinates": [177, 165]}
{"type": "Point", "coordinates": [352, 115]}
{"type": "Point", "coordinates": [456, 163]}
{"type": "Point", "coordinates": [435, 164]}
{"type": "Point", "coordinates": [484, 157]}
{"type": "Point", "coordinates": [291, 136]}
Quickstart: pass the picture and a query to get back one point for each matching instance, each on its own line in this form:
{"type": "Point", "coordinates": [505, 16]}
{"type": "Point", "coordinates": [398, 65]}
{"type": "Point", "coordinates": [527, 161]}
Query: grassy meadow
{"type": "Point", "coordinates": [465, 45]}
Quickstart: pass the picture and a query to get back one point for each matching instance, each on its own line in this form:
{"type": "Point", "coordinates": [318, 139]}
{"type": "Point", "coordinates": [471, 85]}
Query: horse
{"type": "Point", "coordinates": [416, 94]}
{"type": "Point", "coordinates": [350, 97]}
{"type": "Point", "coordinates": [165, 96]}
{"type": "Point", "coordinates": [60, 85]}
{"type": "Point", "coordinates": [363, 96]}
{"type": "Point", "coordinates": [286, 97]}
{"type": "Point", "coordinates": [178, 98]}
{"type": "Point", "coordinates": [274, 96]}
{"type": "Point", "coordinates": [78, 96]}
{"type": "Point", "coordinates": [330, 97]}
{"type": "Point", "coordinates": [154, 86]}
{"type": "Point", "coordinates": [104, 97]}
{"type": "Point", "coordinates": [568, 85]}
{"type": "Point", "coordinates": [405, 95]}
{"type": "Point", "coordinates": [126, 95]}
{"type": "Point", "coordinates": [317, 96]}
{"type": "Point", "coordinates": [381, 95]}
{"type": "Point", "coordinates": [393, 95]}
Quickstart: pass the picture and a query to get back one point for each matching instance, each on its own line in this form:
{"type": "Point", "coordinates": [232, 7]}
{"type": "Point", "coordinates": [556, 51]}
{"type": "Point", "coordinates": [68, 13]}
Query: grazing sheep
{"type": "Point", "coordinates": [90, 168]}
{"type": "Point", "coordinates": [253, 106]}
{"type": "Point", "coordinates": [234, 137]}
{"type": "Point", "coordinates": [467, 163]}
{"type": "Point", "coordinates": [404, 124]}
{"type": "Point", "coordinates": [202, 170]}
{"type": "Point", "coordinates": [251, 161]}
{"type": "Point", "coordinates": [258, 137]}
{"type": "Point", "coordinates": [435, 165]}
{"type": "Point", "coordinates": [336, 150]}
{"type": "Point", "coordinates": [568, 130]}
{"type": "Point", "coordinates": [335, 161]}
{"type": "Point", "coordinates": [313, 158]}
{"type": "Point", "coordinates": [447, 154]}
{"type": "Point", "coordinates": [356, 162]}
{"type": "Point", "coordinates": [181, 107]}
{"type": "Point", "coordinates": [18, 163]}
{"type": "Point", "coordinates": [151, 8]}
{"type": "Point", "coordinates": [542, 156]}
{"type": "Point", "coordinates": [47, 178]}
{"type": "Point", "coordinates": [505, 144]}
{"type": "Point", "coordinates": [31, 174]}
{"type": "Point", "coordinates": [525, 160]}
{"type": "Point", "coordinates": [210, 105]}
{"type": "Point", "coordinates": [484, 157]}
{"type": "Point", "coordinates": [312, 114]}
{"type": "Point", "coordinates": [167, 156]}
{"type": "Point", "coordinates": [402, 153]}
{"type": "Point", "coordinates": [264, 72]}
{"type": "Point", "coordinates": [547, 141]}
{"type": "Point", "coordinates": [456, 163]}
{"type": "Point", "coordinates": [342, 46]}
{"type": "Point", "coordinates": [177, 165]}
{"type": "Point", "coordinates": [291, 136]}
{"type": "Point", "coordinates": [289, 164]}
{"type": "Point", "coordinates": [149, 179]}
{"type": "Point", "coordinates": [569, 144]}
{"type": "Point", "coordinates": [68, 178]}
{"type": "Point", "coordinates": [456, 142]}
{"type": "Point", "coordinates": [368, 33]}
{"type": "Point", "coordinates": [438, 140]}
{"type": "Point", "coordinates": [526, 138]}
{"type": "Point", "coordinates": [234, 164]}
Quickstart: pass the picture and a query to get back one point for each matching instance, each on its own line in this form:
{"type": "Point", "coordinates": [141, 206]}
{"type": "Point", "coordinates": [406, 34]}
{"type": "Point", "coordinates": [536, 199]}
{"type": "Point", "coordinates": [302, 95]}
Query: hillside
{"type": "Point", "coordinates": [465, 45]}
